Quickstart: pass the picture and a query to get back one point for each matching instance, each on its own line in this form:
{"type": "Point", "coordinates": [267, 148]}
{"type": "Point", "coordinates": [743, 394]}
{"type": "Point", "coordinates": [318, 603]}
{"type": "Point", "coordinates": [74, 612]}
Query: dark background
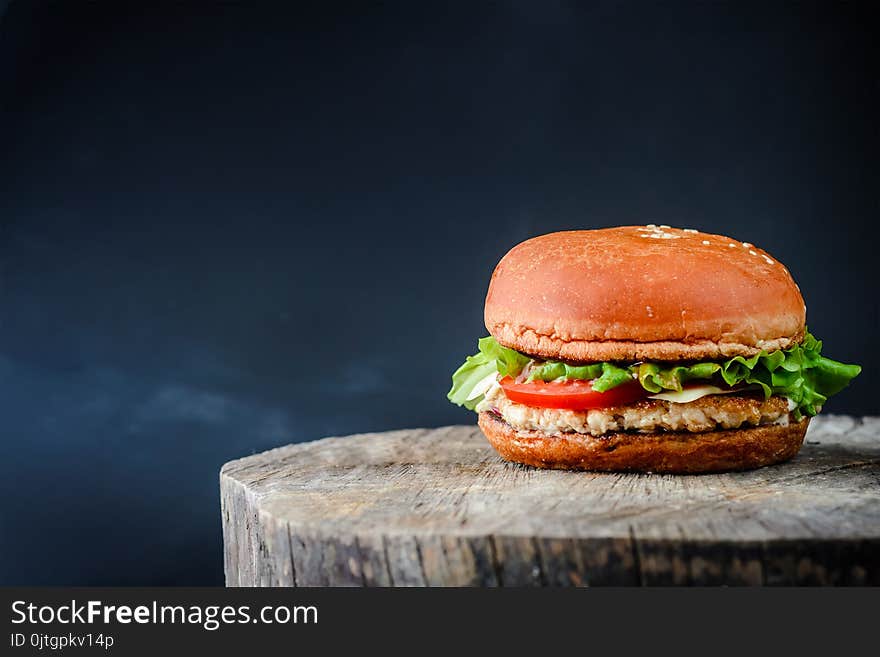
{"type": "Point", "coordinates": [227, 227]}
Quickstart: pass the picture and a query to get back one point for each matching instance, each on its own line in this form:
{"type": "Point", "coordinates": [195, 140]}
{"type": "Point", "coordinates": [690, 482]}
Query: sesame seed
{"type": "Point", "coordinates": [706, 242]}
{"type": "Point", "coordinates": [690, 230]}
{"type": "Point", "coordinates": [752, 252]}
{"type": "Point", "coordinates": [660, 236]}
{"type": "Point", "coordinates": [651, 226]}
{"type": "Point", "coordinates": [664, 226]}
{"type": "Point", "coordinates": [769, 261]}
{"type": "Point", "coordinates": [747, 245]}
{"type": "Point", "coordinates": [732, 246]}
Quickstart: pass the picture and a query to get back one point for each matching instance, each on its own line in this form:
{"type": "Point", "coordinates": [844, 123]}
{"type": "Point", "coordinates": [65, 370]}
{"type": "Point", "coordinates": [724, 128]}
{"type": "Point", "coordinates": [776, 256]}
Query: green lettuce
{"type": "Point", "coordinates": [800, 373]}
{"type": "Point", "coordinates": [491, 359]}
{"type": "Point", "coordinates": [604, 375]}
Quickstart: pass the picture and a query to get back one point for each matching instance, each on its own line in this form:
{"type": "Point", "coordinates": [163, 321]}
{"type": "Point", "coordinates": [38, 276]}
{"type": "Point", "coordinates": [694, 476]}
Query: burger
{"type": "Point", "coordinates": [645, 348]}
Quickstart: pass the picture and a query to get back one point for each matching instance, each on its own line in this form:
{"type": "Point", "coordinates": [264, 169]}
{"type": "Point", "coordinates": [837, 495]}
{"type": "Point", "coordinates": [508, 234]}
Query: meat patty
{"type": "Point", "coordinates": [648, 415]}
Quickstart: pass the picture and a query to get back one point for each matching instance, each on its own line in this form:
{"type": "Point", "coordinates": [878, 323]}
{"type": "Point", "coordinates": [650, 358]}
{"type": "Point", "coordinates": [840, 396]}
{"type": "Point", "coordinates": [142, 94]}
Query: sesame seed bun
{"type": "Point", "coordinates": [661, 452]}
{"type": "Point", "coordinates": [642, 293]}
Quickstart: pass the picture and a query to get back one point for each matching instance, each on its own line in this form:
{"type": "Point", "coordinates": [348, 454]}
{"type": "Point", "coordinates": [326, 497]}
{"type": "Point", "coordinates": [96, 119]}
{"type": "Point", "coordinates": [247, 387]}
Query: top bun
{"type": "Point", "coordinates": [642, 293]}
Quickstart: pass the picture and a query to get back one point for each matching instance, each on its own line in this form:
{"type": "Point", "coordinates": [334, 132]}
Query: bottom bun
{"type": "Point", "coordinates": [670, 452]}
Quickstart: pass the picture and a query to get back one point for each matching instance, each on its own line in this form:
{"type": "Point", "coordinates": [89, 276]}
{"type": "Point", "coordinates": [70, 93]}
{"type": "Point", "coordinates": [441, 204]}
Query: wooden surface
{"type": "Point", "coordinates": [438, 507]}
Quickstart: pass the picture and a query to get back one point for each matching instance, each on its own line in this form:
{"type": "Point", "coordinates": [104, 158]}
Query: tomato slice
{"type": "Point", "coordinates": [571, 395]}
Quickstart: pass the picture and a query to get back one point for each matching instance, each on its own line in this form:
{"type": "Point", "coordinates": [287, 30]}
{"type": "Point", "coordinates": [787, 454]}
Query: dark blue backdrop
{"type": "Point", "coordinates": [231, 227]}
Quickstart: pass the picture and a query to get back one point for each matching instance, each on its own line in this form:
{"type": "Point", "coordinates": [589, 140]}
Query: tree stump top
{"type": "Point", "coordinates": [439, 507]}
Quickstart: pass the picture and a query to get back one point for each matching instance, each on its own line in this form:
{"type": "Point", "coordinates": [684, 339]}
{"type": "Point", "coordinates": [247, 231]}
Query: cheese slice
{"type": "Point", "coordinates": [690, 394]}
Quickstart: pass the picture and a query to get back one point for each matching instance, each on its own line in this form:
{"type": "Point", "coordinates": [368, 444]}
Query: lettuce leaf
{"type": "Point", "coordinates": [604, 375]}
{"type": "Point", "coordinates": [491, 358]}
{"type": "Point", "coordinates": [612, 376]}
{"type": "Point", "coordinates": [654, 377]}
{"type": "Point", "coordinates": [800, 373]}
{"type": "Point", "coordinates": [552, 370]}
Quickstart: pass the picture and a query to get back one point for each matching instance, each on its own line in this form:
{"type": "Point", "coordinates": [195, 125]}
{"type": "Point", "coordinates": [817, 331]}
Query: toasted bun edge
{"type": "Point", "coordinates": [661, 452]}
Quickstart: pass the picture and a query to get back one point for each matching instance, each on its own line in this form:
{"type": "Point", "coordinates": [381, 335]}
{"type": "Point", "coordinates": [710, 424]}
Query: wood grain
{"type": "Point", "coordinates": [438, 507]}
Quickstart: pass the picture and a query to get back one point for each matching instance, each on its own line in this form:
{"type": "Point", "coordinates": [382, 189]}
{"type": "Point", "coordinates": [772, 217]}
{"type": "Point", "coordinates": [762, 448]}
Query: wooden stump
{"type": "Point", "coordinates": [438, 507]}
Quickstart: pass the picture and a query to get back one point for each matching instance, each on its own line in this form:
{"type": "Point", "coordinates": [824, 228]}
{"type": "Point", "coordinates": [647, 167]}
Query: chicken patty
{"type": "Point", "coordinates": [647, 416]}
